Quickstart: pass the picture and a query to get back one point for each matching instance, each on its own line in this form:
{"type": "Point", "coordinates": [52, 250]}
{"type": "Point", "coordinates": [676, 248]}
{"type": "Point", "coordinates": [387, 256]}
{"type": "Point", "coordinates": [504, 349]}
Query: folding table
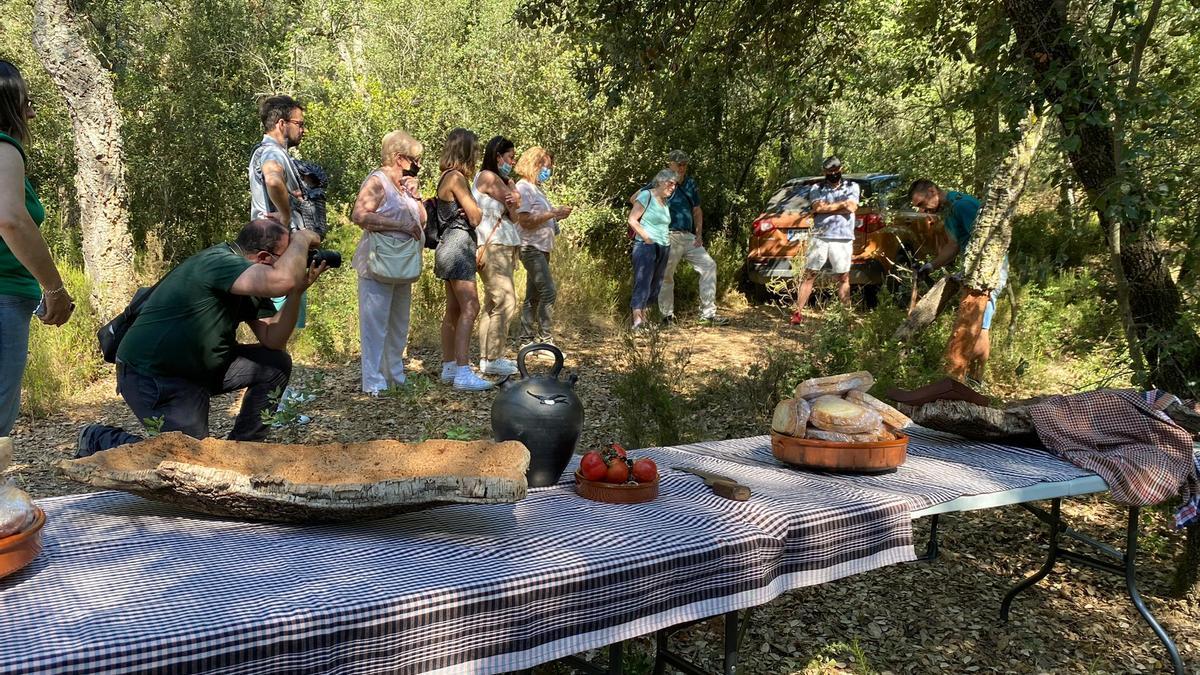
{"type": "Point", "coordinates": [128, 585]}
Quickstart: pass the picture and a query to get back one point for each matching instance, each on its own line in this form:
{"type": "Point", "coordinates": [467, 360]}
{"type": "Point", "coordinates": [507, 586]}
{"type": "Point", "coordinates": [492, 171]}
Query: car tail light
{"type": "Point", "coordinates": [763, 226]}
{"type": "Point", "coordinates": [871, 222]}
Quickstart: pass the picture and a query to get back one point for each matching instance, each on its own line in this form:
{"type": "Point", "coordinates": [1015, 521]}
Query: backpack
{"type": "Point", "coordinates": [110, 334]}
{"type": "Point", "coordinates": [433, 228]}
{"type": "Point", "coordinates": [312, 205]}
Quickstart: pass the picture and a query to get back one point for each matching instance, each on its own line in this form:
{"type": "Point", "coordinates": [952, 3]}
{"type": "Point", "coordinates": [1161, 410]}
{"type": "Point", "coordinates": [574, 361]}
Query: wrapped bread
{"type": "Point", "coordinates": [891, 417]}
{"type": "Point", "coordinates": [791, 417]}
{"type": "Point", "coordinates": [835, 385]}
{"type": "Point", "coordinates": [822, 435]}
{"type": "Point", "coordinates": [16, 510]}
{"type": "Point", "coordinates": [834, 413]}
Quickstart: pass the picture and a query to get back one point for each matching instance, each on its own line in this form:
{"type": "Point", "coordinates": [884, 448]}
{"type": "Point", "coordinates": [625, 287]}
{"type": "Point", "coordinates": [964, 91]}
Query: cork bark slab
{"type": "Point", "coordinates": [297, 483]}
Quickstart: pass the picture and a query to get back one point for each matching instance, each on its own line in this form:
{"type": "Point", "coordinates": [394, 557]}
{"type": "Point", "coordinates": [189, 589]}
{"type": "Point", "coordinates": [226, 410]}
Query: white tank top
{"type": "Point", "coordinates": [493, 213]}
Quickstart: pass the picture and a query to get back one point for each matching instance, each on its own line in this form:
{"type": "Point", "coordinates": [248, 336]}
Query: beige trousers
{"type": "Point", "coordinates": [499, 299]}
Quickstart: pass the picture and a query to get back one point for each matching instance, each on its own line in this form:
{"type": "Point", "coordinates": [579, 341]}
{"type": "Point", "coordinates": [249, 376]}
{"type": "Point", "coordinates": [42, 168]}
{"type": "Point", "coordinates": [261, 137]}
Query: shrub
{"type": "Point", "coordinates": [62, 360]}
{"type": "Point", "coordinates": [650, 410]}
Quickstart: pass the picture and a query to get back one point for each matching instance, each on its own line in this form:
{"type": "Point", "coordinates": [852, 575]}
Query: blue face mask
{"type": "Point", "coordinates": [505, 170]}
{"type": "Point", "coordinates": [544, 174]}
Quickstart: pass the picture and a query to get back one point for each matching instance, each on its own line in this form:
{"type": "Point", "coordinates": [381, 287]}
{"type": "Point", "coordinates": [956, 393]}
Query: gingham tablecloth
{"type": "Point", "coordinates": [126, 585]}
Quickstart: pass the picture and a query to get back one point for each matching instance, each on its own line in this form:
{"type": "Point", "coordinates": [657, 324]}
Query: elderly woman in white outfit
{"type": "Point", "coordinates": [388, 205]}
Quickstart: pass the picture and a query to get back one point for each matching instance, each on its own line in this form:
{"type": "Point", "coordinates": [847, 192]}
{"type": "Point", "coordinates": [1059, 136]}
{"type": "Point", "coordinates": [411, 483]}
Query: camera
{"type": "Point", "coordinates": [317, 256]}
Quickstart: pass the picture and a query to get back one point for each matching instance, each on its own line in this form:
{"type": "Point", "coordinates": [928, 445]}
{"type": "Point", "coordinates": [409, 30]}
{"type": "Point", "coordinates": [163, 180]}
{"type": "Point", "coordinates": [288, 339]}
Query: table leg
{"type": "Point", "coordinates": [1131, 537]}
{"type": "Point", "coordinates": [735, 630]}
{"type": "Point", "coordinates": [1051, 558]}
{"type": "Point", "coordinates": [931, 547]}
{"type": "Point", "coordinates": [1127, 568]}
{"type": "Point", "coordinates": [616, 664]}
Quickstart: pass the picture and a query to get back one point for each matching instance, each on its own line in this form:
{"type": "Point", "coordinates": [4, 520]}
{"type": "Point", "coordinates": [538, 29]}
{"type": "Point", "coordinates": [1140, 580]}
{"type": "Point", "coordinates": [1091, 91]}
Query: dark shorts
{"type": "Point", "coordinates": [454, 259]}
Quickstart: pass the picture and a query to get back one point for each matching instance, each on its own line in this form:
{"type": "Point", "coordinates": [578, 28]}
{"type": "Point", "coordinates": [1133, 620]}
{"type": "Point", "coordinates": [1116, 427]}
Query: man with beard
{"type": "Point", "coordinates": [831, 239]}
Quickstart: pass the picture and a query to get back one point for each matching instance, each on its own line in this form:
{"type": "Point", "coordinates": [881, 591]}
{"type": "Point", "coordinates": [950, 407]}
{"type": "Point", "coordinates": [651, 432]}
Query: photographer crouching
{"type": "Point", "coordinates": [182, 348]}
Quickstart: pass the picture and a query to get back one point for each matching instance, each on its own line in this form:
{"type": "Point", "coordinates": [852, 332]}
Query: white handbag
{"type": "Point", "coordinates": [392, 260]}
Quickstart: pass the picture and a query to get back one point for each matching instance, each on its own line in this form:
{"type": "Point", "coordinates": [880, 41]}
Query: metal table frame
{"type": "Point", "coordinates": [1125, 566]}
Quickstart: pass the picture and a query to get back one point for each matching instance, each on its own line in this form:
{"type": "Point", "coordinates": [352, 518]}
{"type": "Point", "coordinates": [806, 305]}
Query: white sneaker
{"type": "Point", "coordinates": [499, 367]}
{"type": "Point", "coordinates": [467, 380]}
{"type": "Point", "coordinates": [449, 370]}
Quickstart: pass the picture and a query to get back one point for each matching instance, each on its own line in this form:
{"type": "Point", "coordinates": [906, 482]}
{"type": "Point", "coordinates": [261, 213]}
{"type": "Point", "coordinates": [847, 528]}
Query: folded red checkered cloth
{"type": "Point", "coordinates": [1123, 436]}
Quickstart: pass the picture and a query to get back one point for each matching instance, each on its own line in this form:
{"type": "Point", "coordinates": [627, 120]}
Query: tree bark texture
{"type": "Point", "coordinates": [984, 256]}
{"type": "Point", "coordinates": [1050, 44]}
{"type": "Point", "coordinates": [298, 483]}
{"type": "Point", "coordinates": [63, 47]}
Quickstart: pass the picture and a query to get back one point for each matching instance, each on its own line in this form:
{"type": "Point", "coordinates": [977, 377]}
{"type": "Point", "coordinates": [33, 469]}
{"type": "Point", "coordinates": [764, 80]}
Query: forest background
{"type": "Point", "coordinates": [1105, 245]}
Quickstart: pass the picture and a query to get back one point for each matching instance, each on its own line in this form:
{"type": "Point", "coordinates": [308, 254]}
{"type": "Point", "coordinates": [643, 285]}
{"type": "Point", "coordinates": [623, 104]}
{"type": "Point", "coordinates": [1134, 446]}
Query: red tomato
{"type": "Point", "coordinates": [592, 466]}
{"type": "Point", "coordinates": [645, 470]}
{"type": "Point", "coordinates": [619, 450]}
{"type": "Point", "coordinates": [618, 472]}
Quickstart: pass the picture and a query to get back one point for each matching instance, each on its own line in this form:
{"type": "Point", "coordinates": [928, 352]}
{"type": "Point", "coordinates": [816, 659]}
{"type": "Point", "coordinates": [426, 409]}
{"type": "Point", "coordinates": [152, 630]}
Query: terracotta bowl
{"type": "Point", "coordinates": [17, 550]}
{"type": "Point", "coordinates": [615, 493]}
{"type": "Point", "coordinates": [810, 453]}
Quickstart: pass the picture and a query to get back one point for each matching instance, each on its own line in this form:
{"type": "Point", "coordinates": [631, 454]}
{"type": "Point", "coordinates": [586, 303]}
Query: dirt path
{"type": "Point", "coordinates": [915, 618]}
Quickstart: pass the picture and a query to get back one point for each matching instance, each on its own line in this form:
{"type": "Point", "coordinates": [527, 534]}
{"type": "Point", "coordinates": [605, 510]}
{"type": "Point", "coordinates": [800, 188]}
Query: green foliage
{"type": "Point", "coordinates": [649, 407]}
{"type": "Point", "coordinates": [63, 360]}
{"type": "Point", "coordinates": [153, 425]}
{"type": "Point", "coordinates": [465, 433]}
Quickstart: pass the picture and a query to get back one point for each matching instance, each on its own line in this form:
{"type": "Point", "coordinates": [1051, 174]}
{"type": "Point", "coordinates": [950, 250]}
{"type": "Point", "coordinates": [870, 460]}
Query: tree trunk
{"type": "Point", "coordinates": [100, 187]}
{"type": "Point", "coordinates": [984, 256]}
{"type": "Point", "coordinates": [986, 115]}
{"type": "Point", "coordinates": [1050, 44]}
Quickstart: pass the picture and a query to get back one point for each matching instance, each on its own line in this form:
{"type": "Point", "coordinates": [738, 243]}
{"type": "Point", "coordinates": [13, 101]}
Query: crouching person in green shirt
{"type": "Point", "coordinates": [182, 348]}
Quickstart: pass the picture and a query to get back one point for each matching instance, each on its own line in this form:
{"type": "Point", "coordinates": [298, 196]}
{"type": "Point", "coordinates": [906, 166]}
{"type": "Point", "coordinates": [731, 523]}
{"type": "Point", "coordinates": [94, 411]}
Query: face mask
{"type": "Point", "coordinates": [412, 170]}
{"type": "Point", "coordinates": [544, 174]}
{"type": "Point", "coordinates": [505, 170]}
{"type": "Point", "coordinates": [834, 177]}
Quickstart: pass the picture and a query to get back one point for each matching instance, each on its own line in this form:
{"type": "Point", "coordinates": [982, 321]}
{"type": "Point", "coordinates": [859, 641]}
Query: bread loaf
{"type": "Point", "coordinates": [822, 435]}
{"type": "Point", "coordinates": [835, 384]}
{"type": "Point", "coordinates": [791, 417]}
{"type": "Point", "coordinates": [891, 417]}
{"type": "Point", "coordinates": [834, 413]}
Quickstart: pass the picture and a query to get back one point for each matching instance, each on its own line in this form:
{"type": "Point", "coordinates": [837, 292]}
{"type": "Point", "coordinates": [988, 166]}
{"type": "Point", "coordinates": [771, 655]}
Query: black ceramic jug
{"type": "Point", "coordinates": [542, 412]}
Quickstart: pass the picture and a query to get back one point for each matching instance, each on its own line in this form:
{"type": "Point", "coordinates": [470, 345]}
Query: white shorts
{"type": "Point", "coordinates": [836, 253]}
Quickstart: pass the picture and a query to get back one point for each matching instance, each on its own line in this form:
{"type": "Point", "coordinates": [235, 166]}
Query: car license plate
{"type": "Point", "coordinates": [797, 236]}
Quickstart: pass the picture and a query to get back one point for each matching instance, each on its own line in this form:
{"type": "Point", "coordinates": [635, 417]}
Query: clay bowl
{"type": "Point", "coordinates": [810, 453]}
{"type": "Point", "coordinates": [615, 493]}
{"type": "Point", "coordinates": [17, 550]}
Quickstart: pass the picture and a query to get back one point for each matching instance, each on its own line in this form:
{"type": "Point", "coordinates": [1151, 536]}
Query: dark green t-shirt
{"type": "Point", "coordinates": [188, 327]}
{"type": "Point", "coordinates": [14, 278]}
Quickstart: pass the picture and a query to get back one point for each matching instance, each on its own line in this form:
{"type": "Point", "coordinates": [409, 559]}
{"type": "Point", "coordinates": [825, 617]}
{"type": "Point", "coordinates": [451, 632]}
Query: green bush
{"type": "Point", "coordinates": [66, 359]}
{"type": "Point", "coordinates": [650, 410]}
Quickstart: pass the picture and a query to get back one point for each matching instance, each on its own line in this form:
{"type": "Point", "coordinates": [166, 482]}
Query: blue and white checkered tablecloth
{"type": "Point", "coordinates": [126, 585]}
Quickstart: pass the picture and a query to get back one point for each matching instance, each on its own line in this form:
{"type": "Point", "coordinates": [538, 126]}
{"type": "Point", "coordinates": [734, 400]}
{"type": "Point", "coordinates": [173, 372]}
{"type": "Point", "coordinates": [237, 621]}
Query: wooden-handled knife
{"type": "Point", "coordinates": [721, 485]}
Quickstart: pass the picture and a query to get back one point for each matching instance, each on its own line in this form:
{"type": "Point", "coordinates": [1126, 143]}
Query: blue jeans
{"type": "Point", "coordinates": [649, 266]}
{"type": "Point", "coordinates": [990, 310]}
{"type": "Point", "coordinates": [15, 314]}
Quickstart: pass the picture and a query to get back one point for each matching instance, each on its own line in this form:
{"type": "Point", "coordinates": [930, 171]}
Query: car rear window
{"type": "Point", "coordinates": [791, 198]}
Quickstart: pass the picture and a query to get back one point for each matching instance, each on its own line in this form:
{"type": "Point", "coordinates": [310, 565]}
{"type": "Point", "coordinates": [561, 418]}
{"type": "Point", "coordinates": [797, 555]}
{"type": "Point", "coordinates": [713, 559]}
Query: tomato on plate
{"type": "Point", "coordinates": [618, 471]}
{"type": "Point", "coordinates": [592, 466]}
{"type": "Point", "coordinates": [645, 470]}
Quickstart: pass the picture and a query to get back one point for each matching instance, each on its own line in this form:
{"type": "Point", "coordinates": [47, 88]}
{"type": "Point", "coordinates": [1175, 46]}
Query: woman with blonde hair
{"type": "Point", "coordinates": [454, 260]}
{"type": "Point", "coordinates": [388, 205]}
{"type": "Point", "coordinates": [29, 281]}
{"type": "Point", "coordinates": [539, 224]}
{"type": "Point", "coordinates": [499, 247]}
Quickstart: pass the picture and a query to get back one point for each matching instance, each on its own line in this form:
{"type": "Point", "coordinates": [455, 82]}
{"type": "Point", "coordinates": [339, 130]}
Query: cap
{"type": "Point", "coordinates": [678, 156]}
{"type": "Point", "coordinates": [831, 162]}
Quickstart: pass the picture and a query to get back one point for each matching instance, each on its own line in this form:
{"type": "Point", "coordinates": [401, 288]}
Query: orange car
{"type": "Point", "coordinates": [883, 235]}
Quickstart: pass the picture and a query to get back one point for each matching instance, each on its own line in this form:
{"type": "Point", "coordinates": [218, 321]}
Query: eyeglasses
{"type": "Point", "coordinates": [274, 256]}
{"type": "Point", "coordinates": [299, 123]}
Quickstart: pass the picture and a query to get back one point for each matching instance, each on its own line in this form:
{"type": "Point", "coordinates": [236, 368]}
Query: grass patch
{"type": "Point", "coordinates": [649, 409]}
{"type": "Point", "coordinates": [63, 360]}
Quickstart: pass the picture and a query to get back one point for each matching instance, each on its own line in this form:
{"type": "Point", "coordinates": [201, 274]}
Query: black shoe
{"type": "Point", "coordinates": [668, 321]}
{"type": "Point", "coordinates": [714, 320]}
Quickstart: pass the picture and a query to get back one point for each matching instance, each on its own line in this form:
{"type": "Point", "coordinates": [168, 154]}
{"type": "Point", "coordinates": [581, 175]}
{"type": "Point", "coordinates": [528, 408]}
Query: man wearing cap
{"type": "Point", "coordinates": [833, 202]}
{"type": "Point", "coordinates": [687, 242]}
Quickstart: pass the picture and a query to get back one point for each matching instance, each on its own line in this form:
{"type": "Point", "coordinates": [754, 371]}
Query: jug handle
{"type": "Point", "coordinates": [540, 347]}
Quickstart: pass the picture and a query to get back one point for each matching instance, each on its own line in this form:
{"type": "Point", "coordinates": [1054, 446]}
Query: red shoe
{"type": "Point", "coordinates": [796, 319]}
